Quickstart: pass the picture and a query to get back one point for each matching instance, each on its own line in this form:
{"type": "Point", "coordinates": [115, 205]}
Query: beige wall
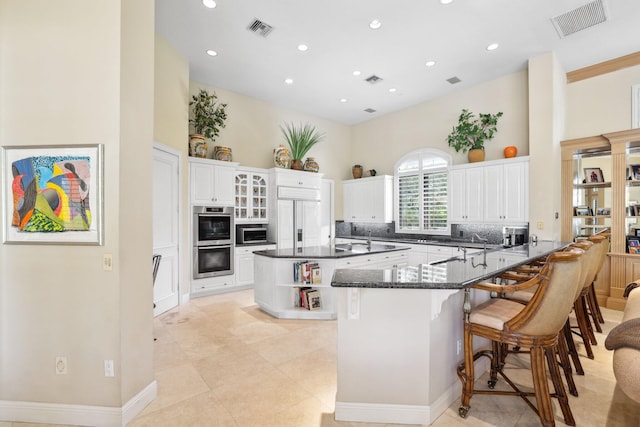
{"type": "Point", "coordinates": [79, 73]}
{"type": "Point", "coordinates": [253, 131]}
{"type": "Point", "coordinates": [601, 104]}
{"type": "Point", "coordinates": [379, 143]}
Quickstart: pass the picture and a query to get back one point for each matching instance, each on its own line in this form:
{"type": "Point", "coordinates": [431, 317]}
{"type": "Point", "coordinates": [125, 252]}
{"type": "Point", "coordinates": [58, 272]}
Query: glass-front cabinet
{"type": "Point", "coordinates": [601, 192]}
{"type": "Point", "coordinates": [251, 189]}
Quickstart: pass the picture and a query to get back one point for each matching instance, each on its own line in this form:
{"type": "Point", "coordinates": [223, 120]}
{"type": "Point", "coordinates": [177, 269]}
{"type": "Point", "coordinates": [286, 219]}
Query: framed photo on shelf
{"type": "Point", "coordinates": [581, 211]}
{"type": "Point", "coordinates": [636, 210]}
{"type": "Point", "coordinates": [53, 194]}
{"type": "Point", "coordinates": [593, 175]}
{"type": "Point", "coordinates": [637, 232]}
{"type": "Point", "coordinates": [603, 211]}
{"type": "Point", "coordinates": [635, 172]}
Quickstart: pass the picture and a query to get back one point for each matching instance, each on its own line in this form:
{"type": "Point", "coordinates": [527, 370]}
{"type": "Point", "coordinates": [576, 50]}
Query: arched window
{"type": "Point", "coordinates": [421, 192]}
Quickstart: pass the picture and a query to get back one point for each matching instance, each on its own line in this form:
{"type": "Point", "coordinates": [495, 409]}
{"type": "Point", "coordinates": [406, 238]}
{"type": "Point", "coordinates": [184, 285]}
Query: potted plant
{"type": "Point", "coordinates": [472, 132]}
{"type": "Point", "coordinates": [208, 117]}
{"type": "Point", "coordinates": [300, 139]}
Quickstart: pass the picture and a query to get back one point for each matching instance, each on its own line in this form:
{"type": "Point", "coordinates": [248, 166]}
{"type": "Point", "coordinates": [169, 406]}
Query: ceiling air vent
{"type": "Point", "coordinates": [260, 28]}
{"type": "Point", "coordinates": [373, 79]}
{"type": "Point", "coordinates": [370, 110]}
{"type": "Point", "coordinates": [454, 80]}
{"type": "Point", "coordinates": [581, 18]}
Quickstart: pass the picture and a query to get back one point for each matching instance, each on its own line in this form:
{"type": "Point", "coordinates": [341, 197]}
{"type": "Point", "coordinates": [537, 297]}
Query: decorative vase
{"type": "Point", "coordinates": [297, 164]}
{"type": "Point", "coordinates": [310, 165]}
{"type": "Point", "coordinates": [476, 155]}
{"type": "Point", "coordinates": [510, 151]}
{"type": "Point", "coordinates": [197, 146]}
{"type": "Point", "coordinates": [282, 157]}
{"type": "Point", "coordinates": [357, 171]}
{"type": "Point", "coordinates": [222, 153]}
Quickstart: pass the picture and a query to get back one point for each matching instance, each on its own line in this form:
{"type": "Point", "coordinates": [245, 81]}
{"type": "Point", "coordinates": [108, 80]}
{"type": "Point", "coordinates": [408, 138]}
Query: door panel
{"type": "Point", "coordinates": [166, 222]}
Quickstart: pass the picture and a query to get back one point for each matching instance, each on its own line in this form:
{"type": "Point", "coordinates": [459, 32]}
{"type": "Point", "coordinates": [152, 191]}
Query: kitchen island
{"type": "Point", "coordinates": [284, 278]}
{"type": "Point", "coordinates": [400, 334]}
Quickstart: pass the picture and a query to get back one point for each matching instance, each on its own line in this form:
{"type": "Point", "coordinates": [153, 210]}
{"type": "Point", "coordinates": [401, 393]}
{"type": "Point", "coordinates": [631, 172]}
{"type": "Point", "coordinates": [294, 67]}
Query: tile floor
{"type": "Point", "coordinates": [220, 361]}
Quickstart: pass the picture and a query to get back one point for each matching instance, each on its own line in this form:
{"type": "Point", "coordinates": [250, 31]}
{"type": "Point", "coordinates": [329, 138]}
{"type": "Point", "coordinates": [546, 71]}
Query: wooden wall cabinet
{"type": "Point", "coordinates": [614, 152]}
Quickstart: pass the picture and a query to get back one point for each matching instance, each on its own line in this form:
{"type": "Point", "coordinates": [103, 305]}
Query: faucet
{"type": "Point", "coordinates": [484, 250]}
{"type": "Point", "coordinates": [369, 241]}
{"type": "Point", "coordinates": [464, 253]}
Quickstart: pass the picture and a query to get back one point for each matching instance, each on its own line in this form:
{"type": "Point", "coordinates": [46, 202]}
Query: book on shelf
{"type": "Point", "coordinates": [306, 297]}
{"type": "Point", "coordinates": [303, 272]}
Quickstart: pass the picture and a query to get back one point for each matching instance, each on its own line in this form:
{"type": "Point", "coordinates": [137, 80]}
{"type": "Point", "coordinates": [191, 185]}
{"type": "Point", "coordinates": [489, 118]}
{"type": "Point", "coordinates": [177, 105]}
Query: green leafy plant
{"type": "Point", "coordinates": [208, 114]}
{"type": "Point", "coordinates": [472, 132]}
{"type": "Point", "coordinates": [300, 139]}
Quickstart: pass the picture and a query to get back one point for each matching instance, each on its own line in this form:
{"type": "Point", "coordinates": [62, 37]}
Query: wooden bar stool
{"type": "Point", "coordinates": [535, 325]}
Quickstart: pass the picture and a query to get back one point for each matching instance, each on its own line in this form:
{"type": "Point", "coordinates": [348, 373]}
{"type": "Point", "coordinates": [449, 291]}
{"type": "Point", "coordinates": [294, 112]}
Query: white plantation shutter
{"type": "Point", "coordinates": [421, 179]}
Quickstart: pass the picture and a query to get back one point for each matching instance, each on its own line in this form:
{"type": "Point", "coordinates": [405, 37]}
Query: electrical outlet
{"type": "Point", "coordinates": [107, 262]}
{"type": "Point", "coordinates": [61, 365]}
{"type": "Point", "coordinates": [458, 347]}
{"type": "Point", "coordinates": [108, 368]}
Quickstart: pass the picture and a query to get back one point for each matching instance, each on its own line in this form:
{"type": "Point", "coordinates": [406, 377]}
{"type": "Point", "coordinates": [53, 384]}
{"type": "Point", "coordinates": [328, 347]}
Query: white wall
{"type": "Point", "coordinates": [80, 73]}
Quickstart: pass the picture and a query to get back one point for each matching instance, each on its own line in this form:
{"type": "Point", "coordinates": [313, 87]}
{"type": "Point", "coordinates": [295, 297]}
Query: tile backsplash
{"type": "Point", "coordinates": [492, 232]}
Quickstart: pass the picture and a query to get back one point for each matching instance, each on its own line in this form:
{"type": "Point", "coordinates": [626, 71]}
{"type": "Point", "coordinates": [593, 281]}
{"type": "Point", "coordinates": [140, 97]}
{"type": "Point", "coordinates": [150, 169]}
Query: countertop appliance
{"type": "Point", "coordinates": [514, 236]}
{"type": "Point", "coordinates": [251, 234]}
{"type": "Point", "coordinates": [213, 241]}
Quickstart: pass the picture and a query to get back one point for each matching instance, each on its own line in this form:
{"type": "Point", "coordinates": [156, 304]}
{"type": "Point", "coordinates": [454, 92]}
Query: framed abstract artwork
{"type": "Point", "coordinates": [52, 194]}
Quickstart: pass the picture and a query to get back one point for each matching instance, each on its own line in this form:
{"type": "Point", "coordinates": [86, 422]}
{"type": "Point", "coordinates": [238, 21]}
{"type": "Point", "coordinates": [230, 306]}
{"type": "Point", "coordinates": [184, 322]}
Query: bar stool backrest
{"type": "Point", "coordinates": [549, 307]}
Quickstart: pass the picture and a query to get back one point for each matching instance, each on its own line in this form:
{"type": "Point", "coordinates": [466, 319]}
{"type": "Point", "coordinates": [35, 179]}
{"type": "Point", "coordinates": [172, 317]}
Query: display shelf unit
{"type": "Point", "coordinates": [251, 201]}
{"type": "Point", "coordinates": [615, 154]}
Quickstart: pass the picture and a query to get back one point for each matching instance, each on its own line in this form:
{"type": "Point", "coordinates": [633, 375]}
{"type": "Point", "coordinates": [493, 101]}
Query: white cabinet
{"type": "Point", "coordinates": [368, 199]}
{"type": "Point", "coordinates": [495, 192]}
{"type": "Point", "coordinates": [506, 192]}
{"type": "Point", "coordinates": [294, 178]}
{"type": "Point", "coordinates": [211, 182]}
{"type": "Point", "coordinates": [465, 195]}
{"type": "Point", "coordinates": [251, 191]}
{"type": "Point", "coordinates": [244, 267]}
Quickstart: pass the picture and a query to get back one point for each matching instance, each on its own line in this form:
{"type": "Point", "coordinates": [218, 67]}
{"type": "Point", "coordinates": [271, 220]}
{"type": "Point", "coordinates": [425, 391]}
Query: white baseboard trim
{"type": "Point", "coordinates": [85, 415]}
{"type": "Point", "coordinates": [404, 414]}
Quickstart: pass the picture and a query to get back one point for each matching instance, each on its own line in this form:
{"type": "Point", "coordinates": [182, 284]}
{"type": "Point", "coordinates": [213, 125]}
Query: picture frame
{"type": "Point", "coordinates": [53, 194]}
{"type": "Point", "coordinates": [603, 211]}
{"type": "Point", "coordinates": [636, 210]}
{"type": "Point", "coordinates": [581, 211]}
{"type": "Point", "coordinates": [593, 175]}
{"type": "Point", "coordinates": [637, 232]}
{"type": "Point", "coordinates": [635, 172]}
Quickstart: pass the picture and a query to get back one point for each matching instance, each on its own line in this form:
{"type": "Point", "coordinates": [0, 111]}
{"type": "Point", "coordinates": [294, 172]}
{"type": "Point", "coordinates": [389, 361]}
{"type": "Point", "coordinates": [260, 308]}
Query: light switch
{"type": "Point", "coordinates": [107, 262]}
{"type": "Point", "coordinates": [540, 225]}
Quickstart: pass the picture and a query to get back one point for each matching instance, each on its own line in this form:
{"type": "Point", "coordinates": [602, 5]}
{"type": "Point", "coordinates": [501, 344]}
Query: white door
{"type": "Point", "coordinates": [166, 226]}
{"type": "Point", "coordinates": [308, 220]}
{"type": "Point", "coordinates": [285, 224]}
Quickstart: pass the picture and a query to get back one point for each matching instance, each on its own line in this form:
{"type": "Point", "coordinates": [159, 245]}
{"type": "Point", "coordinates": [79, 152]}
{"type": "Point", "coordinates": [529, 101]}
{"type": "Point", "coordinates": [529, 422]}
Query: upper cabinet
{"type": "Point", "coordinates": [466, 187]}
{"type": "Point", "coordinates": [368, 199]}
{"type": "Point", "coordinates": [251, 191]}
{"type": "Point", "coordinates": [495, 192]}
{"type": "Point", "coordinates": [211, 182]}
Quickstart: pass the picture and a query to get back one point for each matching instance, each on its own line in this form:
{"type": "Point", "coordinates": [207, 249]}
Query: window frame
{"type": "Point", "coordinates": [419, 155]}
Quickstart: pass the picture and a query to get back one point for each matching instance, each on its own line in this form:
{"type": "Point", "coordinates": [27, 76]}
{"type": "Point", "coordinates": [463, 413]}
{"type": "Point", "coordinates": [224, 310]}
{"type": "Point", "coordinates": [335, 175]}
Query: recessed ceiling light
{"type": "Point", "coordinates": [288, 81]}
{"type": "Point", "coordinates": [212, 52]}
{"type": "Point", "coordinates": [302, 47]}
{"type": "Point", "coordinates": [430, 63]}
{"type": "Point", "coordinates": [343, 100]}
{"type": "Point", "coordinates": [375, 24]}
{"type": "Point", "coordinates": [445, 1]}
{"type": "Point", "coordinates": [209, 3]}
{"type": "Point", "coordinates": [393, 89]}
{"type": "Point", "coordinates": [493, 46]}
{"type": "Point", "coordinates": [356, 73]}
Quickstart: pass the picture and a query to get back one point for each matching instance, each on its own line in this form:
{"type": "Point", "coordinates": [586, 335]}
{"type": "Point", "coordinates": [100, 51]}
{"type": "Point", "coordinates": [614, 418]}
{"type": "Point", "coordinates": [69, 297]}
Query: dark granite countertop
{"type": "Point", "coordinates": [445, 241]}
{"type": "Point", "coordinates": [337, 251]}
{"type": "Point", "coordinates": [453, 273]}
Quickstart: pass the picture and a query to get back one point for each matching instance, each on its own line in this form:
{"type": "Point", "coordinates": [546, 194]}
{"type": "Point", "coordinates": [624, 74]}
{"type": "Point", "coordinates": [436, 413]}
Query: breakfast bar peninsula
{"type": "Point", "coordinates": [400, 333]}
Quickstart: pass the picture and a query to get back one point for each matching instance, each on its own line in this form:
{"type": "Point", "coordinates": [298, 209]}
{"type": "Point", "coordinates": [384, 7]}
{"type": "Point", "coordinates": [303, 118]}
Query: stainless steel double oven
{"type": "Point", "coordinates": [213, 241]}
